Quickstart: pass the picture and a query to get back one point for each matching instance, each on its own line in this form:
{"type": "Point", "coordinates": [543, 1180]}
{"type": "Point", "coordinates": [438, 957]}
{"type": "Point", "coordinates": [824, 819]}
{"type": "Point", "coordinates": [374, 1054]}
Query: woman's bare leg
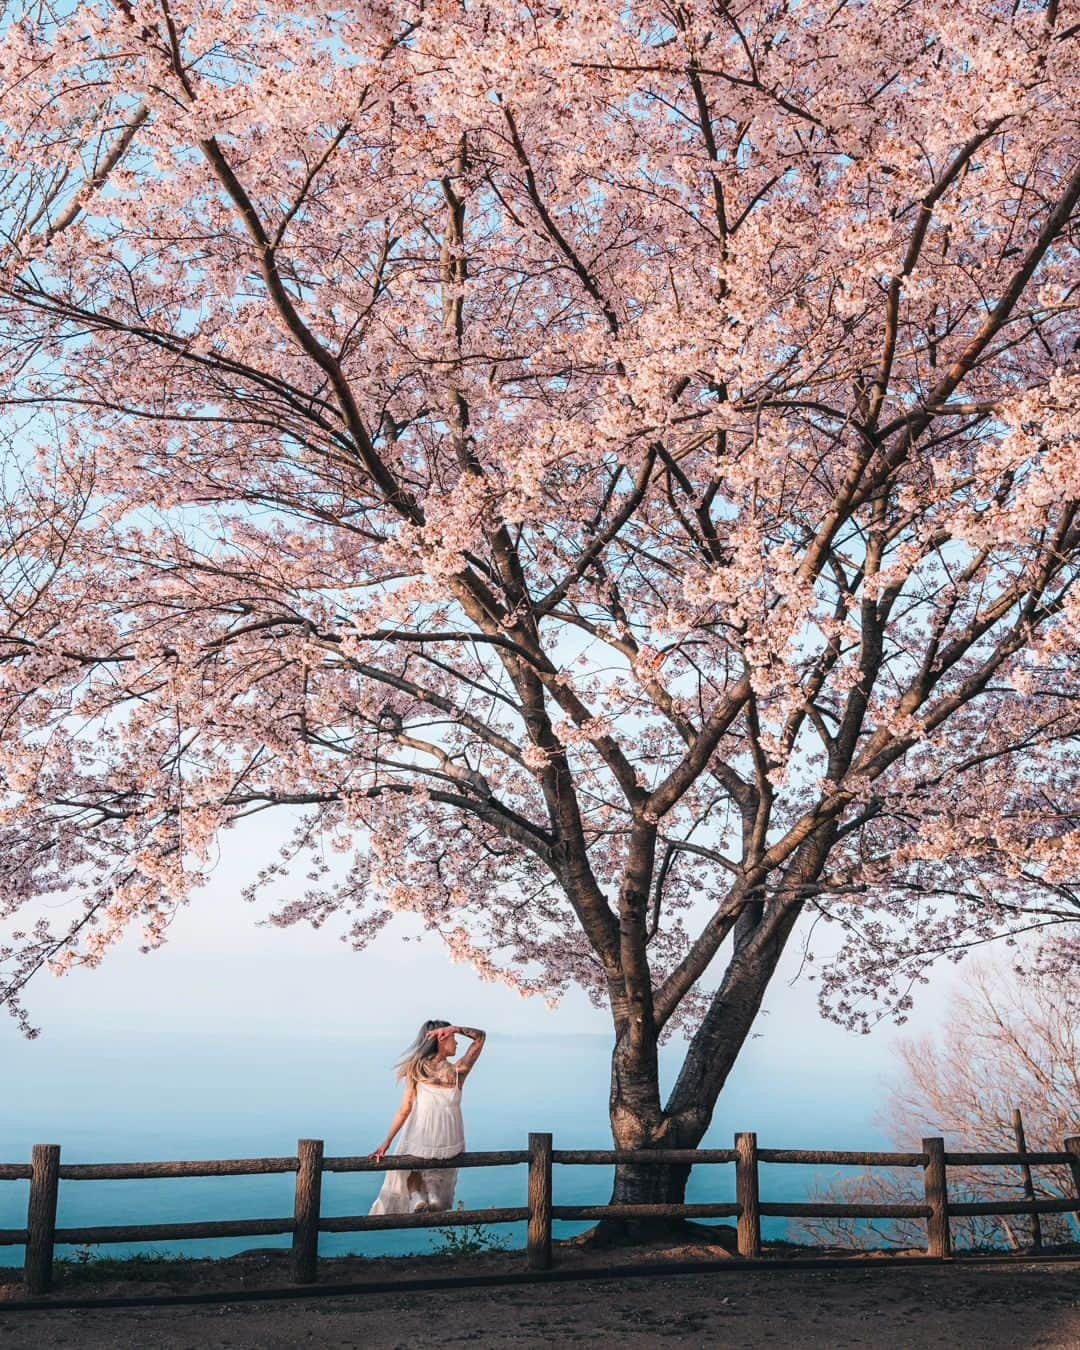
{"type": "Point", "coordinates": [414, 1184]}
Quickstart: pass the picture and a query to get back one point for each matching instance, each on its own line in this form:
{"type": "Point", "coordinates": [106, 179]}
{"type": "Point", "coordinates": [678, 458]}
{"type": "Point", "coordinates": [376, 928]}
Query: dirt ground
{"type": "Point", "coordinates": [1015, 1307]}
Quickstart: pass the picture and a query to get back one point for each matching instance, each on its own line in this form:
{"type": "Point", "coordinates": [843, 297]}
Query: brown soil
{"type": "Point", "coordinates": [1014, 1306]}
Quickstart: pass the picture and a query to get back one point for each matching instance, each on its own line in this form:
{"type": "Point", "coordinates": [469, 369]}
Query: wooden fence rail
{"type": "Point", "coordinates": [45, 1173]}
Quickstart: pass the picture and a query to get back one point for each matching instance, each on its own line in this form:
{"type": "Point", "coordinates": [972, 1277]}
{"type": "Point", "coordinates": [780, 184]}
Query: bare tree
{"type": "Point", "coordinates": [1010, 1044]}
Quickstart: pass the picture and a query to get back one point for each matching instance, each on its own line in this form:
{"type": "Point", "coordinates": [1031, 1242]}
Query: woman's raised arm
{"type": "Point", "coordinates": [471, 1055]}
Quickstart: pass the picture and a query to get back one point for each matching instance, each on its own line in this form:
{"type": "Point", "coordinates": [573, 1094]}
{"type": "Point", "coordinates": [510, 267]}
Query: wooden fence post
{"type": "Point", "coordinates": [41, 1217]}
{"type": "Point", "coordinates": [1025, 1174]}
{"type": "Point", "coordinates": [539, 1243]}
{"type": "Point", "coordinates": [938, 1241]}
{"type": "Point", "coordinates": [1072, 1146]}
{"type": "Point", "coordinates": [305, 1243]}
{"type": "Point", "coordinates": [746, 1194]}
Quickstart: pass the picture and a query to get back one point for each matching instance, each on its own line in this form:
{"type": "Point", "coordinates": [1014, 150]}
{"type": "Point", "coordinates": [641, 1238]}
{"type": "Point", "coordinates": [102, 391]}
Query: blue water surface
{"type": "Point", "coordinates": [140, 1099]}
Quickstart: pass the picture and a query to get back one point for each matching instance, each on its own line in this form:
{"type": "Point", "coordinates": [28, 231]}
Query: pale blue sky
{"type": "Point", "coordinates": [226, 992]}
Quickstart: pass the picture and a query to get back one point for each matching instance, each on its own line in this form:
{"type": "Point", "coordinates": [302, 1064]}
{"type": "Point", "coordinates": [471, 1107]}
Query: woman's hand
{"type": "Point", "coordinates": [439, 1033]}
{"type": "Point", "coordinates": [379, 1154]}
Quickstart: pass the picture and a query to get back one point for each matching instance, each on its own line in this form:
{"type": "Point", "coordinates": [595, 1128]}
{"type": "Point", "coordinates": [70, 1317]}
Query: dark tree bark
{"type": "Point", "coordinates": [639, 1118]}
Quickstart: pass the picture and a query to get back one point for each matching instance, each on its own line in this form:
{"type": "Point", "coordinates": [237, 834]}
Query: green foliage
{"type": "Point", "coordinates": [469, 1239]}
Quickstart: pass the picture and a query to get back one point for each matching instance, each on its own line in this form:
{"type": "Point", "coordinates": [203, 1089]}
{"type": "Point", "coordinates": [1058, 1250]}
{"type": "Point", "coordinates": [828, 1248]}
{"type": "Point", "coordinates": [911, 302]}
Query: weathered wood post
{"type": "Point", "coordinates": [746, 1194]}
{"type": "Point", "coordinates": [41, 1217]}
{"type": "Point", "coordinates": [1025, 1173]}
{"type": "Point", "coordinates": [938, 1241]}
{"type": "Point", "coordinates": [305, 1242]}
{"type": "Point", "coordinates": [539, 1242]}
{"type": "Point", "coordinates": [1072, 1146]}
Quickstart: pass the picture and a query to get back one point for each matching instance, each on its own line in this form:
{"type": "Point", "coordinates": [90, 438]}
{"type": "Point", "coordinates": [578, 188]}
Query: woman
{"type": "Point", "coordinates": [431, 1114]}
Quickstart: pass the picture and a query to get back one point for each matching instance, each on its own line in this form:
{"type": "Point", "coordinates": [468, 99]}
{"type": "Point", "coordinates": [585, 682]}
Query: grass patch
{"type": "Point", "coordinates": [88, 1266]}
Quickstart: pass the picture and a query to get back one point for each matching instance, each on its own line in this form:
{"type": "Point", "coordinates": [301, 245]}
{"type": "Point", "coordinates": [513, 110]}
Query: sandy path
{"type": "Point", "coordinates": [1015, 1308]}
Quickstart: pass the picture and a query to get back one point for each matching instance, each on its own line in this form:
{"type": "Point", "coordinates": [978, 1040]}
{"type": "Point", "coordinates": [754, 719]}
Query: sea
{"type": "Point", "coordinates": [130, 1098]}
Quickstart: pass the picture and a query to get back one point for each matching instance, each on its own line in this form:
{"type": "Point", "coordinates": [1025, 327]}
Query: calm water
{"type": "Point", "coordinates": [176, 1098]}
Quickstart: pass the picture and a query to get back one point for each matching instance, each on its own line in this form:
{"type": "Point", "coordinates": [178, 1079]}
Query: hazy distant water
{"type": "Point", "coordinates": [132, 1100]}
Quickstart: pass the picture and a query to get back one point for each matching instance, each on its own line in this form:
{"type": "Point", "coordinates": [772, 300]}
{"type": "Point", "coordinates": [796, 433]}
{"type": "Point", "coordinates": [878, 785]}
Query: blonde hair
{"type": "Point", "coordinates": [418, 1062]}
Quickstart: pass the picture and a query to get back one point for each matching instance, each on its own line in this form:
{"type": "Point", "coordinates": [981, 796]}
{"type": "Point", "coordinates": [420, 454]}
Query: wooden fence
{"type": "Point", "coordinates": [46, 1171]}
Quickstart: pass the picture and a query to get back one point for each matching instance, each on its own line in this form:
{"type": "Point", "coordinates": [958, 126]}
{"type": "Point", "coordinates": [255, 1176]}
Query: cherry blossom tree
{"type": "Point", "coordinates": [607, 472]}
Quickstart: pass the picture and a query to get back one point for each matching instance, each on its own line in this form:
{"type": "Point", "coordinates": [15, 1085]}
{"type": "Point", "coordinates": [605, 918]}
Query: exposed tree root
{"type": "Point", "coordinates": [609, 1233]}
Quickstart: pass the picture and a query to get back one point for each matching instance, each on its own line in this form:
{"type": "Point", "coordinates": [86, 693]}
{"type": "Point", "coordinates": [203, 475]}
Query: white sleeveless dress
{"type": "Point", "coordinates": [434, 1129]}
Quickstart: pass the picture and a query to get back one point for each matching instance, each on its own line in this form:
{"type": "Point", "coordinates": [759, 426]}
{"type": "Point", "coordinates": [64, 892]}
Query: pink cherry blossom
{"type": "Point", "coordinates": [604, 477]}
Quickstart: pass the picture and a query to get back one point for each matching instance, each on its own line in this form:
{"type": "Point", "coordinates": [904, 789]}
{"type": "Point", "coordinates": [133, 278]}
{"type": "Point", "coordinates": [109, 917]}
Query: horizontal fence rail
{"type": "Point", "coordinates": [45, 1172]}
{"type": "Point", "coordinates": [840, 1158]}
{"type": "Point", "coordinates": [790, 1209]}
{"type": "Point", "coordinates": [1016, 1207]}
{"type": "Point", "coordinates": [148, 1171]}
{"type": "Point", "coordinates": [404, 1162]}
{"type": "Point", "coordinates": [178, 1232]}
{"type": "Point", "coordinates": [1009, 1159]}
{"type": "Point", "coordinates": [616, 1211]}
{"type": "Point", "coordinates": [450, 1218]}
{"type": "Point", "coordinates": [588, 1156]}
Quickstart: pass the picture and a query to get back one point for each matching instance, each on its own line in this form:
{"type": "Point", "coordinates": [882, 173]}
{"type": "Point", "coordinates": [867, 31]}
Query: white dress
{"type": "Point", "coordinates": [433, 1129]}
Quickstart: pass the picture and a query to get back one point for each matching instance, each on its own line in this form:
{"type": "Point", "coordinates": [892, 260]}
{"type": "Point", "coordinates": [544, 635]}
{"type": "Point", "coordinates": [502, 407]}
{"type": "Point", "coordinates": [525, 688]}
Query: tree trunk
{"type": "Point", "coordinates": [638, 1123]}
{"type": "Point", "coordinates": [660, 1183]}
{"type": "Point", "coordinates": [638, 1119]}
